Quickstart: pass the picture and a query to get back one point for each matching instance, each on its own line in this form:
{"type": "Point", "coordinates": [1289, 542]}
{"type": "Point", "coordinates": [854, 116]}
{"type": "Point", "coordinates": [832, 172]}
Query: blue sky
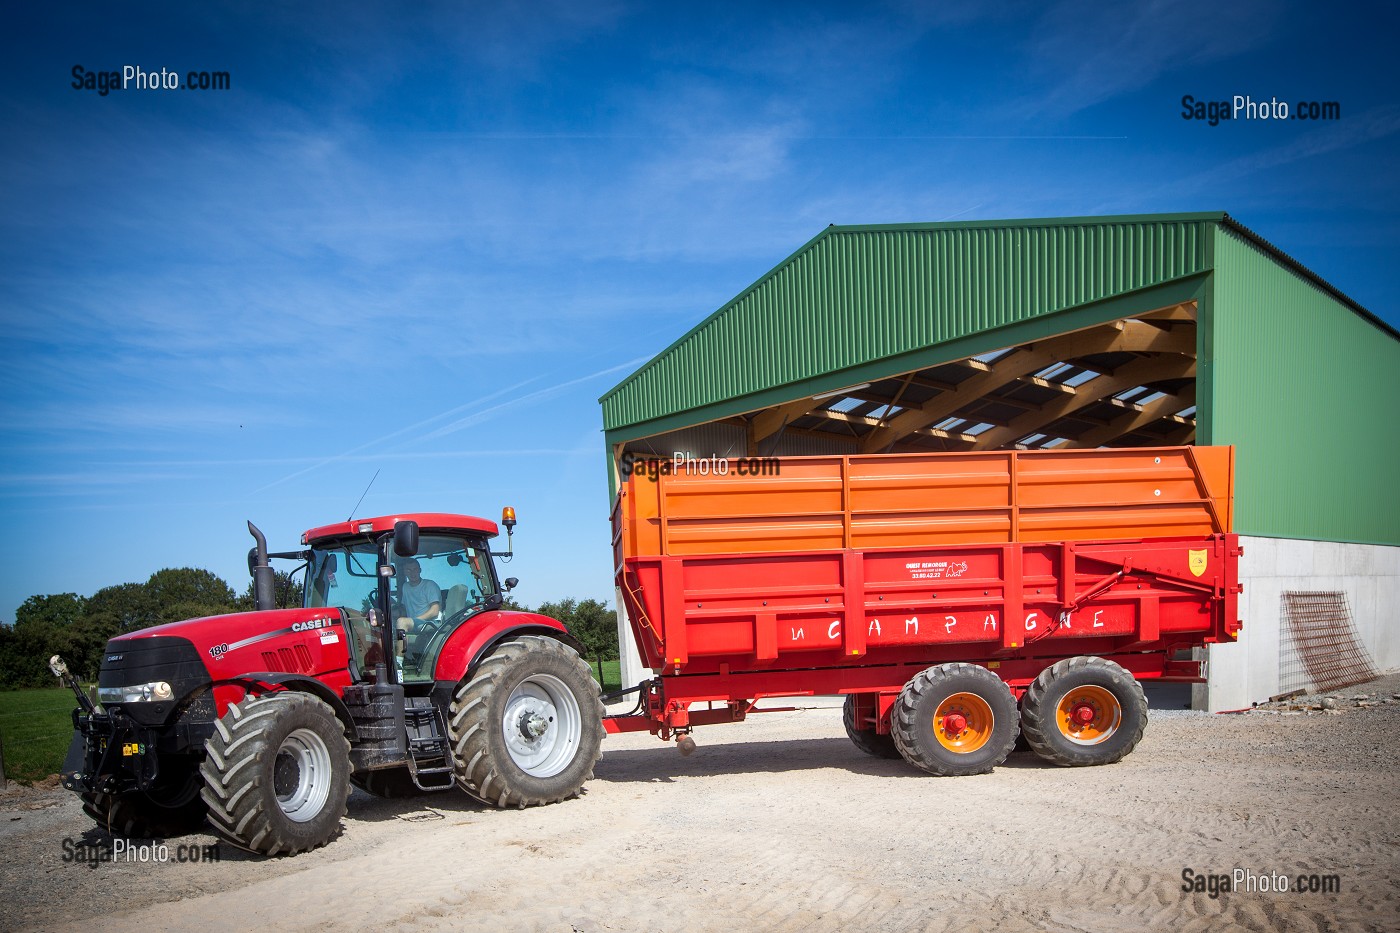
{"type": "Point", "coordinates": [423, 239]}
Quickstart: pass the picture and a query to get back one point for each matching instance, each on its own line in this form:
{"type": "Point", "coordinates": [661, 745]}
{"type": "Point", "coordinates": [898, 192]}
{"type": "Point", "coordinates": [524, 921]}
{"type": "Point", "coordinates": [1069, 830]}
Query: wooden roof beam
{"type": "Point", "coordinates": [1185, 311]}
{"type": "Point", "coordinates": [1139, 372]}
{"type": "Point", "coordinates": [771, 420]}
{"type": "Point", "coordinates": [1119, 336]}
{"type": "Point", "coordinates": [1164, 407]}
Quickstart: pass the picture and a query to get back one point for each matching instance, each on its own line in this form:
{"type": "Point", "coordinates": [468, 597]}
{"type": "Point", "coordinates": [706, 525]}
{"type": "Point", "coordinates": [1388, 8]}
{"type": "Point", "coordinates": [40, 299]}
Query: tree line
{"type": "Point", "coordinates": [78, 627]}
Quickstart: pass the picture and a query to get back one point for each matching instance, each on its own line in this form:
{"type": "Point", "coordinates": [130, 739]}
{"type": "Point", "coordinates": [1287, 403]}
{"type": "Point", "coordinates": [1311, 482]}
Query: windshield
{"type": "Point", "coordinates": [452, 571]}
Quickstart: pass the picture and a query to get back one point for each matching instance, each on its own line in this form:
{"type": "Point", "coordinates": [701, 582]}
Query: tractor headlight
{"type": "Point", "coordinates": [136, 693]}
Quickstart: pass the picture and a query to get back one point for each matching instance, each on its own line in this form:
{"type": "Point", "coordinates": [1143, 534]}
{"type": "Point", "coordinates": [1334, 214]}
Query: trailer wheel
{"type": "Point", "coordinates": [1084, 711]}
{"type": "Point", "coordinates": [867, 740]}
{"type": "Point", "coordinates": [954, 719]}
{"type": "Point", "coordinates": [276, 774]}
{"type": "Point", "coordinates": [171, 810]}
{"type": "Point", "coordinates": [527, 727]}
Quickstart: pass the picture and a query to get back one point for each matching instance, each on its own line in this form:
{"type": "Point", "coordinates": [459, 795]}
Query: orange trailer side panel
{"type": "Point", "coordinates": [924, 500]}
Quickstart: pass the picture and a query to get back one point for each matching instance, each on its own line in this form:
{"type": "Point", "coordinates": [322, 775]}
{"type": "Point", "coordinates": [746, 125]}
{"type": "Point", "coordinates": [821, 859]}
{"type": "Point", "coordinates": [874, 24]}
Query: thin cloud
{"type": "Point", "coordinates": [1087, 60]}
{"type": "Point", "coordinates": [536, 396]}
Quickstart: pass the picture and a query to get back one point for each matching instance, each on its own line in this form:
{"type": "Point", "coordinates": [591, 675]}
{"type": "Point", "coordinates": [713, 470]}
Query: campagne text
{"type": "Point", "coordinates": [682, 463]}
{"type": "Point", "coordinates": [120, 850]}
{"type": "Point", "coordinates": [1244, 107]}
{"type": "Point", "coordinates": [133, 76]}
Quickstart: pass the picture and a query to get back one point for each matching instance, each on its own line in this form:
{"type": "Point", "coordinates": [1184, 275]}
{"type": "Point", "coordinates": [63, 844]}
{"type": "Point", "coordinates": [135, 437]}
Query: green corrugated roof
{"type": "Point", "coordinates": [1282, 353]}
{"type": "Point", "coordinates": [857, 294]}
{"type": "Point", "coordinates": [857, 299]}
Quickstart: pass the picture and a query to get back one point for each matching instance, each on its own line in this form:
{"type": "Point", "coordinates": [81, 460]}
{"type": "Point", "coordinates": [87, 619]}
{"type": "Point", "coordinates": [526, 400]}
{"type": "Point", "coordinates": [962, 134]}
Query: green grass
{"type": "Point", "coordinates": [36, 727]}
{"type": "Point", "coordinates": [612, 674]}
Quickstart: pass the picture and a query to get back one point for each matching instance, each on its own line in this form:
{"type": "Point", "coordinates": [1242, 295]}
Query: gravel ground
{"type": "Point", "coordinates": [780, 823]}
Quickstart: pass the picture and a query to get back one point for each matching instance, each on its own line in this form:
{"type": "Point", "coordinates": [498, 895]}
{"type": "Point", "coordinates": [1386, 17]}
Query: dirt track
{"type": "Point", "coordinates": [780, 823]}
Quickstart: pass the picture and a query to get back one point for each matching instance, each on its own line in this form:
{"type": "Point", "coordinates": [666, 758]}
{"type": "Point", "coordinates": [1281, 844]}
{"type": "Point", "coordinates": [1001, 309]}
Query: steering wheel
{"type": "Point", "coordinates": [422, 631]}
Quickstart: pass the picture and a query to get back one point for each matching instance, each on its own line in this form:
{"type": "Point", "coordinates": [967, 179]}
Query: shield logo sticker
{"type": "Point", "coordinates": [1196, 560]}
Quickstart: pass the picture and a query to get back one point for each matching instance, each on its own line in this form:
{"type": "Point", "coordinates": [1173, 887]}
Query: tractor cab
{"type": "Point", "coordinates": [445, 582]}
{"type": "Point", "coordinates": [433, 581]}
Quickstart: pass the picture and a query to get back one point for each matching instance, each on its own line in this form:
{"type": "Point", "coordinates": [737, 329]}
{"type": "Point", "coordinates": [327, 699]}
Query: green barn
{"type": "Point", "coordinates": [1081, 332]}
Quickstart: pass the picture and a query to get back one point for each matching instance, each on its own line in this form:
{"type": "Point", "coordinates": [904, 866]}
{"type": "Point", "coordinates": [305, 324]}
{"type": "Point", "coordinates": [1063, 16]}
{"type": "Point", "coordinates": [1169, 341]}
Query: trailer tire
{"type": "Point", "coordinates": [867, 740]}
{"type": "Point", "coordinates": [954, 719]}
{"type": "Point", "coordinates": [1084, 711]}
{"type": "Point", "coordinates": [276, 774]}
{"type": "Point", "coordinates": [527, 727]}
{"type": "Point", "coordinates": [155, 814]}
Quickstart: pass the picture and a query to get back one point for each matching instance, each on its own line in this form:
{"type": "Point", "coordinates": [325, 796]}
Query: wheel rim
{"type": "Point", "coordinates": [963, 723]}
{"type": "Point", "coordinates": [1089, 715]}
{"type": "Point", "coordinates": [543, 725]}
{"type": "Point", "coordinates": [301, 775]}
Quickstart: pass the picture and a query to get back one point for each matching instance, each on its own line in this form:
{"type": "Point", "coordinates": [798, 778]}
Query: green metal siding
{"type": "Point", "coordinates": [856, 295]}
{"type": "Point", "coordinates": [1306, 390]}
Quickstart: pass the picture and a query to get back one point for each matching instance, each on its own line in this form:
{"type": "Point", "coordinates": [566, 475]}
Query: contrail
{"type": "Point", "coordinates": [393, 434]}
{"type": "Point", "coordinates": [533, 396]}
{"type": "Point", "coordinates": [456, 425]}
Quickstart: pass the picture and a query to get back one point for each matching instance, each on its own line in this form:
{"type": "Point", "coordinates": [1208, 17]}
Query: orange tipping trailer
{"type": "Point", "coordinates": [936, 591]}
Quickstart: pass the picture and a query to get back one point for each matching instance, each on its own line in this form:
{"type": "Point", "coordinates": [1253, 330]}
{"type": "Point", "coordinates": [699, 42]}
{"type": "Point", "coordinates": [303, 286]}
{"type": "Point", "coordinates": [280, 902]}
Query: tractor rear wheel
{"type": "Point", "coordinates": [173, 809]}
{"type": "Point", "coordinates": [527, 727]}
{"type": "Point", "coordinates": [867, 740]}
{"type": "Point", "coordinates": [1084, 711]}
{"type": "Point", "coordinates": [276, 774]}
{"type": "Point", "coordinates": [954, 719]}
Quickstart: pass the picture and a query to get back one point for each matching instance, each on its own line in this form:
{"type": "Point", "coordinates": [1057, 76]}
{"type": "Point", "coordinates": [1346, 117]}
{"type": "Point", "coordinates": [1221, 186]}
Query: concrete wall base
{"type": "Point", "coordinates": [1247, 672]}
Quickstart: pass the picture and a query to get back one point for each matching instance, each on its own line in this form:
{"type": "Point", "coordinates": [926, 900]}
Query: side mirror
{"type": "Point", "coordinates": [511, 583]}
{"type": "Point", "coordinates": [405, 538]}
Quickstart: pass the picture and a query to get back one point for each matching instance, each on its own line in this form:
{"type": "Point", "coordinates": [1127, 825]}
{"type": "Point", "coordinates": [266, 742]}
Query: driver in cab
{"type": "Point", "coordinates": [421, 599]}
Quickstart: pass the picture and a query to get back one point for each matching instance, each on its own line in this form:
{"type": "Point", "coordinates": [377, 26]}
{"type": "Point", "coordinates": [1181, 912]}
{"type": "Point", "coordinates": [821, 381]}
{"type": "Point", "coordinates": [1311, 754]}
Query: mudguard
{"type": "Point", "coordinates": [477, 636]}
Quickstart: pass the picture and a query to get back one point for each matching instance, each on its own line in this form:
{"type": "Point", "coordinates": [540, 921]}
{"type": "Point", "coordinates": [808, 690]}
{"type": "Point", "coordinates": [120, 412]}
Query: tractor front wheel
{"type": "Point", "coordinates": [527, 727]}
{"type": "Point", "coordinates": [172, 809]}
{"type": "Point", "coordinates": [276, 774]}
{"type": "Point", "coordinates": [954, 719]}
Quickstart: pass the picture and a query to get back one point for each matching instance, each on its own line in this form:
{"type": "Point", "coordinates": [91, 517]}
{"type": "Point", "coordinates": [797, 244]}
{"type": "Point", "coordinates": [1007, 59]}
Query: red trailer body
{"type": "Point", "coordinates": [851, 575]}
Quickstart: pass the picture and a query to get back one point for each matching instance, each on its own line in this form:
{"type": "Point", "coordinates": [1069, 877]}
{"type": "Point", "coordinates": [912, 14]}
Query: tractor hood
{"type": "Point", "coordinates": [287, 640]}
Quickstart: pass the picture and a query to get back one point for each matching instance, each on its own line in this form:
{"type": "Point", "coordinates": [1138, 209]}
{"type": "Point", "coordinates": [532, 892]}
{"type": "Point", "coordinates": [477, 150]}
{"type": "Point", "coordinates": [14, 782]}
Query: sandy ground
{"type": "Point", "coordinates": [781, 824]}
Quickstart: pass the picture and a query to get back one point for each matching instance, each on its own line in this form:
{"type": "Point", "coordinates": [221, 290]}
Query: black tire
{"type": "Point", "coordinates": [172, 810]}
{"type": "Point", "coordinates": [527, 683]}
{"type": "Point", "coordinates": [390, 783]}
{"type": "Point", "coordinates": [1114, 697]}
{"type": "Point", "coordinates": [924, 716]}
{"type": "Point", "coordinates": [867, 740]}
{"type": "Point", "coordinates": [276, 774]}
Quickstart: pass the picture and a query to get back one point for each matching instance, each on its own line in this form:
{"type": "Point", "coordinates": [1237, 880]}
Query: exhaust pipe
{"type": "Point", "coordinates": [264, 582]}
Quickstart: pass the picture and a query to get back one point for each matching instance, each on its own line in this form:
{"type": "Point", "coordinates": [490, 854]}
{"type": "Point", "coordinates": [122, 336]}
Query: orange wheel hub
{"type": "Point", "coordinates": [1088, 715]}
{"type": "Point", "coordinates": [963, 723]}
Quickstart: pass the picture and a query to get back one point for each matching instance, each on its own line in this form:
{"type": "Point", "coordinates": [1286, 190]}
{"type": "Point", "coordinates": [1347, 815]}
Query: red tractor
{"type": "Point", "coordinates": [401, 674]}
